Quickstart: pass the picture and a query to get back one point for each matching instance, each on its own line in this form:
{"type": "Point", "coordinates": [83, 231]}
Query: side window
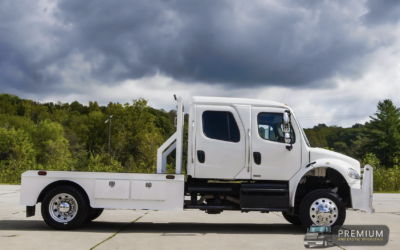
{"type": "Point", "coordinates": [220, 125]}
{"type": "Point", "coordinates": [270, 127]}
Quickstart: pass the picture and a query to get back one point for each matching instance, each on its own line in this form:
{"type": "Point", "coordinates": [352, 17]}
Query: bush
{"type": "Point", "coordinates": [385, 179]}
{"type": "Point", "coordinates": [17, 155]}
{"type": "Point", "coordinates": [99, 163]}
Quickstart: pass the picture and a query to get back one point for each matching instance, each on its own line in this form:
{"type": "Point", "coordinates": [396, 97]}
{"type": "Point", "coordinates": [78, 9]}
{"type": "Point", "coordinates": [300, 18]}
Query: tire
{"type": "Point", "coordinates": [294, 219]}
{"type": "Point", "coordinates": [93, 214]}
{"type": "Point", "coordinates": [333, 210]}
{"type": "Point", "coordinates": [64, 208]}
{"type": "Point", "coordinates": [306, 246]}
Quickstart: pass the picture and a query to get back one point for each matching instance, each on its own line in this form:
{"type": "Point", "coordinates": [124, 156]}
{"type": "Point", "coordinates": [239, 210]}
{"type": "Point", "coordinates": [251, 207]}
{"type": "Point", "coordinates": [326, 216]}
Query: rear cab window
{"type": "Point", "coordinates": [220, 125]}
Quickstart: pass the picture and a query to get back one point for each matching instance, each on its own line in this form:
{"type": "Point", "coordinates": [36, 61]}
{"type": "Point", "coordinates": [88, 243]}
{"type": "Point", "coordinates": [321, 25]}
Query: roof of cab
{"type": "Point", "coordinates": [239, 101]}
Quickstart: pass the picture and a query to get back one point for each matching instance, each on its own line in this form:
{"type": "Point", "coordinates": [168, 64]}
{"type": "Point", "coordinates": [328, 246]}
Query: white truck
{"type": "Point", "coordinates": [243, 154]}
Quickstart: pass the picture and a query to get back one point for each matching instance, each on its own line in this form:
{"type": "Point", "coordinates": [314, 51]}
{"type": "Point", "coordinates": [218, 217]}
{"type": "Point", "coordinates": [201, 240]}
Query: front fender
{"type": "Point", "coordinates": [338, 165]}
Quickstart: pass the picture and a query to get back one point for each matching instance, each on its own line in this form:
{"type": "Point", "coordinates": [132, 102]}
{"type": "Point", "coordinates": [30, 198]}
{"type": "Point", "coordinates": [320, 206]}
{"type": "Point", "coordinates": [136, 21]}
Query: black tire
{"type": "Point", "coordinates": [294, 219]}
{"type": "Point", "coordinates": [306, 246]}
{"type": "Point", "coordinates": [81, 213]}
{"type": "Point", "coordinates": [320, 194]}
{"type": "Point", "coordinates": [94, 213]}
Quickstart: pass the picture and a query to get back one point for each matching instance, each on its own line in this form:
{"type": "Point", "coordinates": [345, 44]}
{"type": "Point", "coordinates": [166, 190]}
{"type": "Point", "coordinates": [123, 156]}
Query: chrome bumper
{"type": "Point", "coordinates": [361, 199]}
{"type": "Point", "coordinates": [314, 242]}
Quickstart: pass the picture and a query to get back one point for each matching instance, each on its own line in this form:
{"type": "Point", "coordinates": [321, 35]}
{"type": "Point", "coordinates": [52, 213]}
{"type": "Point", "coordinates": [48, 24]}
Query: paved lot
{"type": "Point", "coordinates": [129, 229]}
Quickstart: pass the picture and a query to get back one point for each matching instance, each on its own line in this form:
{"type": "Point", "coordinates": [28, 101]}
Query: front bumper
{"type": "Point", "coordinates": [361, 199]}
{"type": "Point", "coordinates": [314, 242]}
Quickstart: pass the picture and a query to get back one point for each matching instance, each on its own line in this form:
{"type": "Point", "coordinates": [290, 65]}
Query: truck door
{"type": "Point", "coordinates": [220, 142]}
{"type": "Point", "coordinates": [271, 159]}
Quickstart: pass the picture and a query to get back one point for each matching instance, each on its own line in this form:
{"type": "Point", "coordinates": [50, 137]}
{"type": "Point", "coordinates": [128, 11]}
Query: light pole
{"type": "Point", "coordinates": [109, 138]}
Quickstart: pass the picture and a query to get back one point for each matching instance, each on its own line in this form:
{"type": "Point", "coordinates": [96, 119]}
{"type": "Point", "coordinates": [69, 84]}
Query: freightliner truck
{"type": "Point", "coordinates": [244, 155]}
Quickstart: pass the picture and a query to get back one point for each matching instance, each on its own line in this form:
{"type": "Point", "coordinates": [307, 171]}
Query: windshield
{"type": "Point", "coordinates": [305, 138]}
{"type": "Point", "coordinates": [318, 229]}
{"type": "Point", "coordinates": [304, 133]}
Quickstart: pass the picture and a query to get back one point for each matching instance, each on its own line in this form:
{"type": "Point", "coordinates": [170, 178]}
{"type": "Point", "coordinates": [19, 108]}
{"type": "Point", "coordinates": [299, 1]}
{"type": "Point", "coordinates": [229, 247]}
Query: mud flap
{"type": "Point", "coordinates": [30, 211]}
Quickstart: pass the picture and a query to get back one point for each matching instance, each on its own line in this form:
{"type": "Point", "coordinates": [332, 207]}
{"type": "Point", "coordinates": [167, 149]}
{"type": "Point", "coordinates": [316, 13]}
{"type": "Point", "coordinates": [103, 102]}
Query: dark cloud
{"type": "Point", "coordinates": [382, 12]}
{"type": "Point", "coordinates": [238, 43]}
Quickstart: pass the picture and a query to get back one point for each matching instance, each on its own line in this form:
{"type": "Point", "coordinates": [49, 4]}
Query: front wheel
{"type": "Point", "coordinates": [64, 207]}
{"type": "Point", "coordinates": [323, 208]}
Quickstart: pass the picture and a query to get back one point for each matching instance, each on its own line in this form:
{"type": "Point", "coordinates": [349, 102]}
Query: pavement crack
{"type": "Point", "coordinates": [122, 229]}
{"type": "Point", "coordinates": [11, 192]}
{"type": "Point", "coordinates": [340, 247]}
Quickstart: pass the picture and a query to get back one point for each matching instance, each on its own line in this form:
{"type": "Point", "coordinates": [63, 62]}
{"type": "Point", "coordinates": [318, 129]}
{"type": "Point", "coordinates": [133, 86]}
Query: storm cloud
{"type": "Point", "coordinates": [326, 58]}
{"type": "Point", "coordinates": [382, 12]}
{"type": "Point", "coordinates": [235, 43]}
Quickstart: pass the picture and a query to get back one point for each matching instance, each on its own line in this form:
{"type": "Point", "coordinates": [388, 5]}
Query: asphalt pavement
{"type": "Point", "coordinates": [190, 229]}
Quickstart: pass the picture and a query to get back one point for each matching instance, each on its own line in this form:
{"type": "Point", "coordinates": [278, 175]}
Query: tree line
{"type": "Point", "coordinates": [379, 137]}
{"type": "Point", "coordinates": [63, 136]}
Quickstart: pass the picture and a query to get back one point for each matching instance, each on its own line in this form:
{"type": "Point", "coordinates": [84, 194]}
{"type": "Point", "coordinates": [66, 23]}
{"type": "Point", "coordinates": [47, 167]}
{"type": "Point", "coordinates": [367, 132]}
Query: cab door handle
{"type": "Point", "coordinates": [257, 157]}
{"type": "Point", "coordinates": [201, 156]}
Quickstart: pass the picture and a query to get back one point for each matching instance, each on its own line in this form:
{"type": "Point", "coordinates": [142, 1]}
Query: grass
{"type": "Point", "coordinates": [387, 192]}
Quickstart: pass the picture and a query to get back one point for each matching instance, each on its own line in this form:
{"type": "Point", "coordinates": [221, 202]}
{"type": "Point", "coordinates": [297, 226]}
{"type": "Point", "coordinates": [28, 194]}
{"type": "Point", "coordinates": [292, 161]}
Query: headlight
{"type": "Point", "coordinates": [353, 173]}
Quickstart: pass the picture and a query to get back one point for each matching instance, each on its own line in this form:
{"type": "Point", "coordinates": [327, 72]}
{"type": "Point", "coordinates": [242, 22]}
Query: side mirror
{"type": "Point", "coordinates": [286, 129]}
{"type": "Point", "coordinates": [286, 119]}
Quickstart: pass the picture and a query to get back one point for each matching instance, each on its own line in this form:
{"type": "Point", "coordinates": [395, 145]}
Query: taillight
{"type": "Point", "coordinates": [42, 173]}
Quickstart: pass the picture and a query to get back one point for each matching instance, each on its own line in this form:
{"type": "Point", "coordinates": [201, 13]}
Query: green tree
{"type": "Point", "coordinates": [51, 145]}
{"type": "Point", "coordinates": [340, 147]}
{"type": "Point", "coordinates": [17, 154]}
{"type": "Point", "coordinates": [383, 133]}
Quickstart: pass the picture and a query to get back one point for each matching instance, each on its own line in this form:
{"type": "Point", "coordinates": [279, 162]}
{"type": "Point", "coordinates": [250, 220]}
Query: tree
{"type": "Point", "coordinates": [51, 145]}
{"type": "Point", "coordinates": [383, 133]}
{"type": "Point", "coordinates": [340, 147]}
{"type": "Point", "coordinates": [17, 154]}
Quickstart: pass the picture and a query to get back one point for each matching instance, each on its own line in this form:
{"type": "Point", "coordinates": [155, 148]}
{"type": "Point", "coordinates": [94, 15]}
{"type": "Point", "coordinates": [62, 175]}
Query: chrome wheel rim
{"type": "Point", "coordinates": [324, 212]}
{"type": "Point", "coordinates": [63, 208]}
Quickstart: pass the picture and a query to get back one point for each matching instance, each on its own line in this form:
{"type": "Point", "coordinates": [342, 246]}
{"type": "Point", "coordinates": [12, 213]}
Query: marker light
{"type": "Point", "coordinates": [353, 173]}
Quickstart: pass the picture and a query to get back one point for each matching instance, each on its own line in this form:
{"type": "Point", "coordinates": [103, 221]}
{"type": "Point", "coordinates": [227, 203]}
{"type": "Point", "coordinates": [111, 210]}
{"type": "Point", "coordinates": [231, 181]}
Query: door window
{"type": "Point", "coordinates": [220, 125]}
{"type": "Point", "coordinates": [270, 127]}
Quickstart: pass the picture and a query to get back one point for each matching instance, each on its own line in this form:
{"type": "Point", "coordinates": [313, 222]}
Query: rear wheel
{"type": "Point", "coordinates": [64, 207]}
{"type": "Point", "coordinates": [294, 219]}
{"type": "Point", "coordinates": [94, 213]}
{"type": "Point", "coordinates": [322, 208]}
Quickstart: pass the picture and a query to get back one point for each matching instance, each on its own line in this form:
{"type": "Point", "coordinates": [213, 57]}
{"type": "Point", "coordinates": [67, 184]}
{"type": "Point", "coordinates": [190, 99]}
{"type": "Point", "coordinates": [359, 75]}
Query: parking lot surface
{"type": "Point", "coordinates": [191, 229]}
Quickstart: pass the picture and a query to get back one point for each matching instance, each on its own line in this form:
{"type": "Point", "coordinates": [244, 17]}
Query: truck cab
{"type": "Point", "coordinates": [246, 155]}
{"type": "Point", "coordinates": [318, 236]}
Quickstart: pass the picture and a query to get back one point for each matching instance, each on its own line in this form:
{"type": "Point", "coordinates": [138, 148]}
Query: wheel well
{"type": "Point", "coordinates": [58, 183]}
{"type": "Point", "coordinates": [323, 178]}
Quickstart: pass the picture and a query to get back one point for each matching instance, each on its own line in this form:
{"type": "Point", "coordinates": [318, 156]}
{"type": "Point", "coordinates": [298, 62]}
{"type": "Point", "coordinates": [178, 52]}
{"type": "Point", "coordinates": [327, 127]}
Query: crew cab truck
{"type": "Point", "coordinates": [243, 154]}
{"type": "Point", "coordinates": [318, 236]}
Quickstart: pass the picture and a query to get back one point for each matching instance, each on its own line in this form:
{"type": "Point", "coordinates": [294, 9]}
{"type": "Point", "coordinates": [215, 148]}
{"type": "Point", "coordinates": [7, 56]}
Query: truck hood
{"type": "Point", "coordinates": [320, 153]}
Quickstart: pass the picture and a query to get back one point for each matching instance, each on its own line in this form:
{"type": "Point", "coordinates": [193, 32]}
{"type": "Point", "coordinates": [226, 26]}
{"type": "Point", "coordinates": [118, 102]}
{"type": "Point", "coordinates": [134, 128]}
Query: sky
{"type": "Point", "coordinates": [331, 61]}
